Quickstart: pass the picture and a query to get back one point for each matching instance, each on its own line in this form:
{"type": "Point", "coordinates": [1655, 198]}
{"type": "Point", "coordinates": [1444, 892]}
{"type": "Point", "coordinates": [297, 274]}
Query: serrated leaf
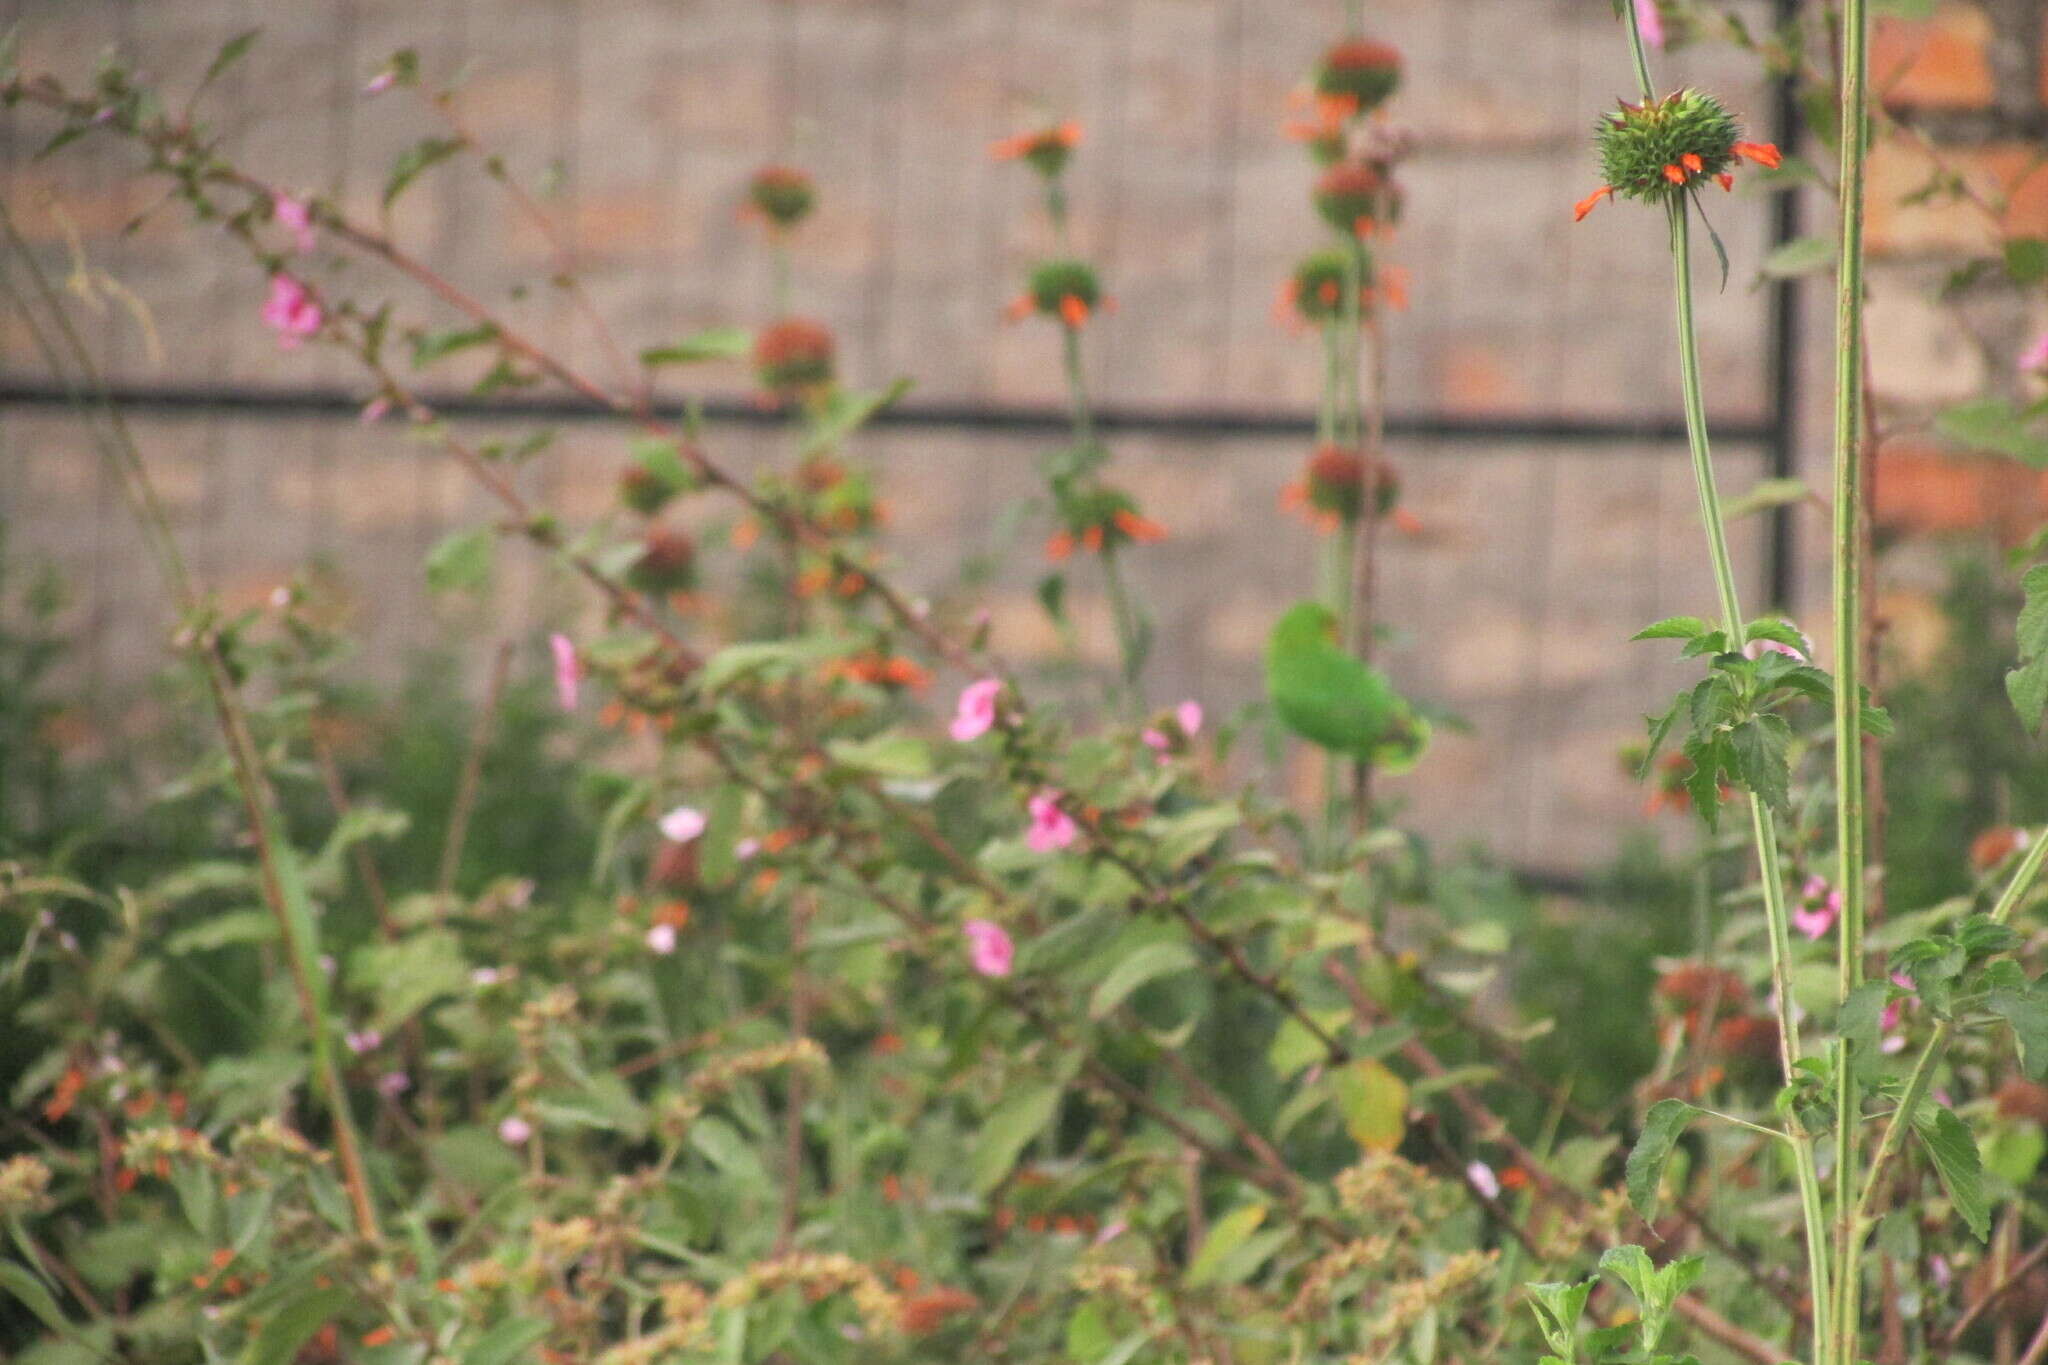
{"type": "Point", "coordinates": [1645, 1171]}
{"type": "Point", "coordinates": [1558, 1307]}
{"type": "Point", "coordinates": [1954, 1152]}
{"type": "Point", "coordinates": [1147, 963]}
{"type": "Point", "coordinates": [1673, 628]}
{"type": "Point", "coordinates": [1993, 424]}
{"type": "Point", "coordinates": [2027, 685]}
{"type": "Point", "coordinates": [1760, 747]}
{"type": "Point", "coordinates": [288, 1328]}
{"type": "Point", "coordinates": [2027, 1012]}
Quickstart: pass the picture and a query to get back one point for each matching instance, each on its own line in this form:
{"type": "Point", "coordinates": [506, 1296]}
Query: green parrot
{"type": "Point", "coordinates": [1334, 700]}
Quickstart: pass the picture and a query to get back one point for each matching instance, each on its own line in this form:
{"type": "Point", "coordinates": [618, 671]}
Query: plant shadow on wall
{"type": "Point", "coordinates": [774, 1018]}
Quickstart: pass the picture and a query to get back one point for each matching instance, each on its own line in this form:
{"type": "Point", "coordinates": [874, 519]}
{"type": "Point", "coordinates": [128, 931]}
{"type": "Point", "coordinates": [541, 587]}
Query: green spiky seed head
{"type": "Point", "coordinates": [1054, 282]}
{"type": "Point", "coordinates": [1318, 283]}
{"type": "Point", "coordinates": [1637, 142]}
{"type": "Point", "coordinates": [782, 194]}
{"type": "Point", "coordinates": [1361, 72]}
{"type": "Point", "coordinates": [1338, 477]}
{"type": "Point", "coordinates": [1355, 194]}
{"type": "Point", "coordinates": [643, 490]}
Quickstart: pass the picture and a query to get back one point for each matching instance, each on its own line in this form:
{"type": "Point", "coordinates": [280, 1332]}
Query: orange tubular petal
{"type": "Point", "coordinates": [1591, 202]}
{"type": "Point", "coordinates": [1018, 308]}
{"type": "Point", "coordinates": [1073, 311]}
{"type": "Point", "coordinates": [1010, 148]}
{"type": "Point", "coordinates": [1692, 162]}
{"type": "Point", "coordinates": [1068, 133]}
{"type": "Point", "coordinates": [1727, 181]}
{"type": "Point", "coordinates": [1059, 546]}
{"type": "Point", "coordinates": [1674, 174]}
{"type": "Point", "coordinates": [1764, 154]}
{"type": "Point", "coordinates": [1092, 538]}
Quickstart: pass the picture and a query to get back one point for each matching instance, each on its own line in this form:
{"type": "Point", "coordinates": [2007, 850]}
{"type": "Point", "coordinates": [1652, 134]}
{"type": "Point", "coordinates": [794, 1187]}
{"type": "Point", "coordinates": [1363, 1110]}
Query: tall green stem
{"type": "Point", "coordinates": [1762, 824]}
{"type": "Point", "coordinates": [1130, 627]}
{"type": "Point", "coordinates": [1848, 600]}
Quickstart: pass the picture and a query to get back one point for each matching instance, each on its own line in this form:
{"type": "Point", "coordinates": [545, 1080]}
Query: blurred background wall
{"type": "Point", "coordinates": [1532, 381]}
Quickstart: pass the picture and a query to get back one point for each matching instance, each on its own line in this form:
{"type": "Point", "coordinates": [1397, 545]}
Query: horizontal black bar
{"type": "Point", "coordinates": [285, 401]}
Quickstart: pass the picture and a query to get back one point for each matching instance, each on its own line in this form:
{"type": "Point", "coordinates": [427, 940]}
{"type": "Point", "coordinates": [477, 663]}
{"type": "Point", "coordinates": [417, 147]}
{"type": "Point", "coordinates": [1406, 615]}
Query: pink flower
{"type": "Point", "coordinates": [1051, 829]}
{"type": "Point", "coordinates": [1483, 1179]}
{"type": "Point", "coordinates": [989, 947]}
{"type": "Point", "coordinates": [392, 1084]}
{"type": "Point", "coordinates": [514, 1131]}
{"type": "Point", "coordinates": [486, 977]}
{"type": "Point", "coordinates": [1189, 714]}
{"type": "Point", "coordinates": [745, 849]}
{"type": "Point", "coordinates": [1650, 20]}
{"type": "Point", "coordinates": [975, 715]}
{"type": "Point", "coordinates": [1889, 1020]}
{"type": "Point", "coordinates": [1112, 1230]}
{"type": "Point", "coordinates": [366, 1040]}
{"type": "Point", "coordinates": [1155, 740]}
{"type": "Point", "coordinates": [2034, 359]}
{"type": "Point", "coordinates": [381, 82]}
{"type": "Point", "coordinates": [568, 671]}
{"type": "Point", "coordinates": [291, 310]}
{"type": "Point", "coordinates": [683, 824]}
{"type": "Point", "coordinates": [1819, 906]}
{"type": "Point", "coordinates": [662, 939]}
{"type": "Point", "coordinates": [296, 217]}
{"type": "Point", "coordinates": [376, 410]}
{"type": "Point", "coordinates": [1756, 649]}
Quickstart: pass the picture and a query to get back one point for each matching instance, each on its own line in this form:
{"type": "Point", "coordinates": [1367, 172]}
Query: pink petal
{"type": "Point", "coordinates": [1153, 739]}
{"type": "Point", "coordinates": [1483, 1179]}
{"type": "Point", "coordinates": [975, 714]}
{"type": "Point", "coordinates": [515, 1131]}
{"type": "Point", "coordinates": [662, 939]}
{"type": "Point", "coordinates": [683, 824]}
{"type": "Point", "coordinates": [568, 670]}
{"type": "Point", "coordinates": [295, 217]}
{"type": "Point", "coordinates": [1650, 20]}
{"type": "Point", "coordinates": [989, 948]}
{"type": "Point", "coordinates": [1051, 829]}
{"type": "Point", "coordinates": [1813, 923]}
{"type": "Point", "coordinates": [1189, 714]}
{"type": "Point", "coordinates": [2035, 358]}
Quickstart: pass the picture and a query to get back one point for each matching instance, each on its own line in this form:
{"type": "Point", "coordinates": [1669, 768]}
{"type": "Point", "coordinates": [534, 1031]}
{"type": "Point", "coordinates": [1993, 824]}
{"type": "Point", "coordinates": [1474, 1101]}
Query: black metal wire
{"type": "Point", "coordinates": [1787, 325]}
{"type": "Point", "coordinates": [276, 401]}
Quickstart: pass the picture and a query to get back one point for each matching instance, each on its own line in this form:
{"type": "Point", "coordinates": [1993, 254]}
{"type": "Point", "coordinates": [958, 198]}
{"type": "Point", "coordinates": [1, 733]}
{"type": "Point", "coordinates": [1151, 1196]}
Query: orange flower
{"type": "Point", "coordinates": [1764, 154]}
{"type": "Point", "coordinates": [68, 1086]}
{"type": "Point", "coordinates": [745, 532]}
{"type": "Point", "coordinates": [927, 1312]}
{"type": "Point", "coordinates": [381, 1336]}
{"type": "Point", "coordinates": [1591, 202]}
{"type": "Point", "coordinates": [1059, 546]}
{"type": "Point", "coordinates": [1142, 530]}
{"type": "Point", "coordinates": [1073, 310]}
{"type": "Point", "coordinates": [1042, 144]}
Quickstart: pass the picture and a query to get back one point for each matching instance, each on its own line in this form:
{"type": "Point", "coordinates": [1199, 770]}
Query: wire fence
{"type": "Point", "coordinates": [1534, 415]}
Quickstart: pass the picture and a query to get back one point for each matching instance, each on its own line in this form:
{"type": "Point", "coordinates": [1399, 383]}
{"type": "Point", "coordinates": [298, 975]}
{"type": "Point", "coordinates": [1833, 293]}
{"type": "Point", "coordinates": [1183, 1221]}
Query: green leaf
{"type": "Point", "coordinates": [409, 975]}
{"type": "Point", "coordinates": [461, 562]}
{"type": "Point", "coordinates": [506, 1342]}
{"type": "Point", "coordinates": [1145, 964]}
{"type": "Point", "coordinates": [1225, 1236]}
{"type": "Point", "coordinates": [1765, 495]}
{"type": "Point", "coordinates": [288, 1328]}
{"type": "Point", "coordinates": [713, 343]}
{"type": "Point", "coordinates": [1008, 1130]}
{"type": "Point", "coordinates": [415, 160]}
{"type": "Point", "coordinates": [231, 51]}
{"type": "Point", "coordinates": [1860, 1020]}
{"type": "Point", "coordinates": [1954, 1152]}
{"type": "Point", "coordinates": [884, 755]}
{"type": "Point", "coordinates": [2027, 685]}
{"type": "Point", "coordinates": [1645, 1170]}
{"type": "Point", "coordinates": [1800, 256]}
{"type": "Point", "coordinates": [1760, 746]}
{"type": "Point", "coordinates": [2027, 1011]}
{"type": "Point", "coordinates": [844, 412]}
{"type": "Point", "coordinates": [429, 347]}
{"type": "Point", "coordinates": [1558, 1307]}
{"type": "Point", "coordinates": [1374, 1102]}
{"type": "Point", "coordinates": [1673, 628]}
{"type": "Point", "coordinates": [35, 1296]}
{"type": "Point", "coordinates": [1993, 424]}
{"type": "Point", "coordinates": [2026, 259]}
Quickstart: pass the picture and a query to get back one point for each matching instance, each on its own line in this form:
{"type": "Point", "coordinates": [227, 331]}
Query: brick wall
{"type": "Point", "coordinates": [1532, 563]}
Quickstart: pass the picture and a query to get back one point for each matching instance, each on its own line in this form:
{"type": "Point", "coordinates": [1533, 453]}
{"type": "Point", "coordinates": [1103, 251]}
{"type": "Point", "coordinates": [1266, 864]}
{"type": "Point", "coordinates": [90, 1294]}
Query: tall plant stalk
{"type": "Point", "coordinates": [1763, 825]}
{"type": "Point", "coordinates": [1847, 590]}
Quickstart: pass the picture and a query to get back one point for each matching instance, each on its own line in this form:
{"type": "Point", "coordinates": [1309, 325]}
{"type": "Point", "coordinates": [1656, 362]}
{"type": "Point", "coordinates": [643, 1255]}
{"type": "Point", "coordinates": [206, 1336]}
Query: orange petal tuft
{"type": "Point", "coordinates": [1591, 202]}
{"type": "Point", "coordinates": [1764, 154]}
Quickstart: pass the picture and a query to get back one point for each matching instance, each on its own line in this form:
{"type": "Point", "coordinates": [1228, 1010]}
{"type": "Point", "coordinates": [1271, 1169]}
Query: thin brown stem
{"type": "Point", "coordinates": [470, 785]}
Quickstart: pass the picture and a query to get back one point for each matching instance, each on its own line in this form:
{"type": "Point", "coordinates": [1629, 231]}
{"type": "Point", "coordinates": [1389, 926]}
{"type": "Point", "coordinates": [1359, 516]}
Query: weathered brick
{"type": "Point", "coordinates": [1937, 63]}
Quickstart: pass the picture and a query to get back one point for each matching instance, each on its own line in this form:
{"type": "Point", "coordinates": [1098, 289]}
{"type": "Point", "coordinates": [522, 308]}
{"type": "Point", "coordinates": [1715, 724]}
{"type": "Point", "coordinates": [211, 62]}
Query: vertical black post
{"type": "Point", "coordinates": [1786, 323]}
